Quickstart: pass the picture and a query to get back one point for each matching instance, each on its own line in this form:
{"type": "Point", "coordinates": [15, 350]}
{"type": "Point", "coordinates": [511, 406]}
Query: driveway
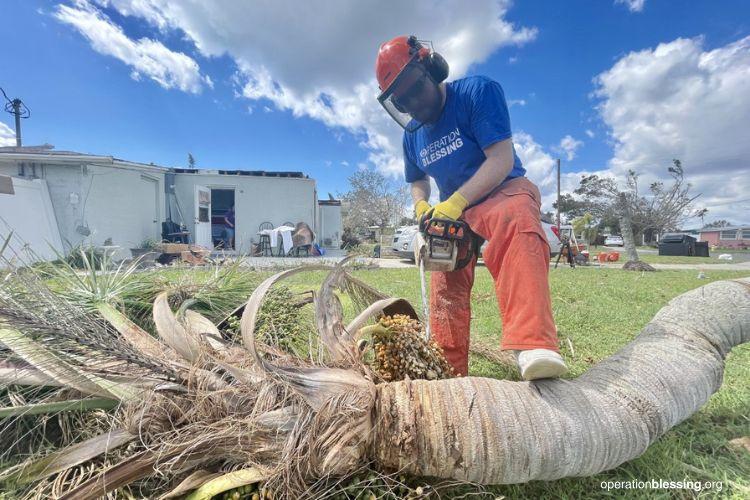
{"type": "Point", "coordinates": [332, 257]}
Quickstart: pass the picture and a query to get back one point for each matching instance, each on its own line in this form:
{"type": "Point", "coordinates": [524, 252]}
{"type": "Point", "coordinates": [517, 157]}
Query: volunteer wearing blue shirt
{"type": "Point", "coordinates": [459, 134]}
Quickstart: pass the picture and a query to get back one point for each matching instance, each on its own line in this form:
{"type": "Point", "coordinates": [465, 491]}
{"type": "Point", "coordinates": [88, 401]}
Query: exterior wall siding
{"type": "Point", "coordinates": [114, 202]}
{"type": "Point", "coordinates": [8, 169]}
{"type": "Point", "coordinates": [329, 226]}
{"type": "Point", "coordinates": [257, 199]}
{"type": "Point", "coordinates": [124, 205]}
{"type": "Point", "coordinates": [714, 239]}
{"type": "Point", "coordinates": [29, 214]}
{"type": "Point", "coordinates": [711, 237]}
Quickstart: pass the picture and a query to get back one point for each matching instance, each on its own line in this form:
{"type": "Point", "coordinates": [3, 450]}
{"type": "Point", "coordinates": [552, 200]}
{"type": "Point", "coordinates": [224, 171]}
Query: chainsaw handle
{"type": "Point", "coordinates": [443, 228]}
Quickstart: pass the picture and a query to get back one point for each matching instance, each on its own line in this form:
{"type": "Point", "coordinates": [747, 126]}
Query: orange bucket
{"type": "Point", "coordinates": [613, 256]}
{"type": "Point", "coordinates": [602, 257]}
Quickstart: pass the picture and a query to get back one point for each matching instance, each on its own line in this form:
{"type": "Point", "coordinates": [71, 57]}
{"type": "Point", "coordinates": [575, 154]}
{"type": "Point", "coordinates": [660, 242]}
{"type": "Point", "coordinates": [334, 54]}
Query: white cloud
{"type": "Point", "coordinates": [513, 60]}
{"type": "Point", "coordinates": [516, 102]}
{"type": "Point", "coordinates": [539, 165]}
{"type": "Point", "coordinates": [568, 146]}
{"type": "Point", "coordinates": [146, 57]}
{"type": "Point", "coordinates": [681, 101]}
{"type": "Point", "coordinates": [590, 133]}
{"type": "Point", "coordinates": [7, 135]}
{"type": "Point", "coordinates": [309, 62]}
{"type": "Point", "coordinates": [633, 5]}
{"type": "Point", "coordinates": [541, 169]}
{"type": "Point", "coordinates": [344, 163]}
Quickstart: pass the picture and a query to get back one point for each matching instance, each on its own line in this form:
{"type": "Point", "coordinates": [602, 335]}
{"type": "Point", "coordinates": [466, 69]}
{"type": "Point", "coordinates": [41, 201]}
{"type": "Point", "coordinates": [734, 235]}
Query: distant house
{"type": "Point", "coordinates": [727, 237]}
{"type": "Point", "coordinates": [64, 198]}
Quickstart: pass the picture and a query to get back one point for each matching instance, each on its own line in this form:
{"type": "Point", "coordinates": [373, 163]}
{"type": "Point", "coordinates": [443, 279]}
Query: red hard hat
{"type": "Point", "coordinates": [394, 55]}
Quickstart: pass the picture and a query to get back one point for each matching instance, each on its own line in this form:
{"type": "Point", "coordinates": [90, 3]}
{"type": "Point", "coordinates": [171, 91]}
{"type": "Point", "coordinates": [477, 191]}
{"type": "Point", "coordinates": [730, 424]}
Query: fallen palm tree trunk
{"type": "Point", "coordinates": [297, 421]}
{"type": "Point", "coordinates": [495, 431]}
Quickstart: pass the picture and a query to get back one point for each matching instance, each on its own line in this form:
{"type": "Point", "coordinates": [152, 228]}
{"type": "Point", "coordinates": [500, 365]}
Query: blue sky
{"type": "Point", "coordinates": [238, 85]}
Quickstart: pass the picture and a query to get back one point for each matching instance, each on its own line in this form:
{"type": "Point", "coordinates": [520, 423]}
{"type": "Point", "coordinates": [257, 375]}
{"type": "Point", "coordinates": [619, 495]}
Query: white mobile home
{"type": "Point", "coordinates": [94, 199]}
{"type": "Point", "coordinates": [258, 197]}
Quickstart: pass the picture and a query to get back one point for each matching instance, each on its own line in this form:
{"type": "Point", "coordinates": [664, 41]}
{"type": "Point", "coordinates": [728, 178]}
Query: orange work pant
{"type": "Point", "coordinates": [517, 255]}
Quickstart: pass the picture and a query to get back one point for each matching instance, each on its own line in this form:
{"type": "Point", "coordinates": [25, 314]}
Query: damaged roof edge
{"type": "Point", "coordinates": [50, 156]}
{"type": "Point", "coordinates": [255, 173]}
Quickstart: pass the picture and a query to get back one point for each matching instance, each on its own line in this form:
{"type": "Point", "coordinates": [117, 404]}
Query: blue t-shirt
{"type": "Point", "coordinates": [450, 151]}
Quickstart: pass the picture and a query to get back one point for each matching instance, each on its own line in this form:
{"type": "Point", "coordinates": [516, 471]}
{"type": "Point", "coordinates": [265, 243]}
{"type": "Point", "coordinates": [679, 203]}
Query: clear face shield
{"type": "Point", "coordinates": [409, 84]}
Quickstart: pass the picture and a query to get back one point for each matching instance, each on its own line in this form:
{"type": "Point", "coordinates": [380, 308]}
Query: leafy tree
{"type": "Point", "coordinates": [571, 207]}
{"type": "Point", "coordinates": [586, 227]}
{"type": "Point", "coordinates": [191, 161]}
{"type": "Point", "coordinates": [701, 213]}
{"type": "Point", "coordinates": [717, 223]}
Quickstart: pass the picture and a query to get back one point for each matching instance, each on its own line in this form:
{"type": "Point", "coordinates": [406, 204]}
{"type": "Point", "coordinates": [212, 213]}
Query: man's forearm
{"type": "Point", "coordinates": [491, 173]}
{"type": "Point", "coordinates": [420, 190]}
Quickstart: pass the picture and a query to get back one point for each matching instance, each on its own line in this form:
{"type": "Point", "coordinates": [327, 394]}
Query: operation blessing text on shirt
{"type": "Point", "coordinates": [441, 147]}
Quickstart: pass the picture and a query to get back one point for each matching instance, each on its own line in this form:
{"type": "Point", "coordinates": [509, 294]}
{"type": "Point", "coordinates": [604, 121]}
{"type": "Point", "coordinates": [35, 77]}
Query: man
{"type": "Point", "coordinates": [459, 134]}
{"type": "Point", "coordinates": [229, 227]}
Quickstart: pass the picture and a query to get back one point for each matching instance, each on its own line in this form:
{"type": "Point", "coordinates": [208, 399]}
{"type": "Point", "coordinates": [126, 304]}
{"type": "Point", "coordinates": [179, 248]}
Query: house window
{"type": "Point", "coordinates": [203, 214]}
{"type": "Point", "coordinates": [728, 235]}
{"type": "Point", "coordinates": [746, 234]}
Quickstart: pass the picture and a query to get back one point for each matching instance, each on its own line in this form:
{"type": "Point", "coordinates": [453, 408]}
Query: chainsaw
{"type": "Point", "coordinates": [442, 245]}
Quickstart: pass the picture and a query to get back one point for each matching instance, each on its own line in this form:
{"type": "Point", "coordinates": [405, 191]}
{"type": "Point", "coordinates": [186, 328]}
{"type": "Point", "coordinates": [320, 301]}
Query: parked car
{"type": "Point", "coordinates": [403, 240]}
{"type": "Point", "coordinates": [613, 240]}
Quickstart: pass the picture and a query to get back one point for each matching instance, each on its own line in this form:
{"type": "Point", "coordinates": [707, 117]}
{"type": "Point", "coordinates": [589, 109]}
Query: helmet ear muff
{"type": "Point", "coordinates": [437, 67]}
{"type": "Point", "coordinates": [434, 63]}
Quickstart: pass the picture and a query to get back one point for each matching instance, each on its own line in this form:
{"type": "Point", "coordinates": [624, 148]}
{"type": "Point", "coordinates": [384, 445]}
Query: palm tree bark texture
{"type": "Point", "coordinates": [496, 431]}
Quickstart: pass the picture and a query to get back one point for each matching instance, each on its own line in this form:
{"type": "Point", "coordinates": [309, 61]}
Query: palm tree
{"type": "Point", "coordinates": [702, 214]}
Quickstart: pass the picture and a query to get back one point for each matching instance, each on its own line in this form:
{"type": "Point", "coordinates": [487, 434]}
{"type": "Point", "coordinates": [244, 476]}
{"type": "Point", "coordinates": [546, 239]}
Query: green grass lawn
{"type": "Point", "coordinates": [598, 311]}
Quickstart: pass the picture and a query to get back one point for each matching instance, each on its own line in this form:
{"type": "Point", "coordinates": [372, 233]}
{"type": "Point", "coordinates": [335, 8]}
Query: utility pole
{"type": "Point", "coordinates": [17, 108]}
{"type": "Point", "coordinates": [558, 195]}
{"type": "Point", "coordinates": [17, 112]}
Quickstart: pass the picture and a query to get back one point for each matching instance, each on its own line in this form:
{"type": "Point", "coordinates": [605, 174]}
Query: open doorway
{"type": "Point", "coordinates": [222, 206]}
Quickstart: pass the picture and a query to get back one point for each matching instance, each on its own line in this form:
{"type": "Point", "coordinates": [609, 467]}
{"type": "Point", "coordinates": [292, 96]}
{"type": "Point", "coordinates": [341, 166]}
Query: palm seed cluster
{"type": "Point", "coordinates": [401, 350]}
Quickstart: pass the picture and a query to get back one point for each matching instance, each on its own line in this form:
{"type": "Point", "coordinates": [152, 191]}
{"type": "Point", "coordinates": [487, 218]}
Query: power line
{"type": "Point", "coordinates": [727, 203]}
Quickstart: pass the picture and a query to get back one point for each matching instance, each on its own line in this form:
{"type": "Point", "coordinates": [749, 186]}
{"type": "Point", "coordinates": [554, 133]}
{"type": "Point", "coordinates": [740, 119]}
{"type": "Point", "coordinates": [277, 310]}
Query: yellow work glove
{"type": "Point", "coordinates": [420, 208]}
{"type": "Point", "coordinates": [452, 208]}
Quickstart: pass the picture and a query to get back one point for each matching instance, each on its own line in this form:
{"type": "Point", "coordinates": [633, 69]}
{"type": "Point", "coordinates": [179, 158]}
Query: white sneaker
{"type": "Point", "coordinates": [540, 363]}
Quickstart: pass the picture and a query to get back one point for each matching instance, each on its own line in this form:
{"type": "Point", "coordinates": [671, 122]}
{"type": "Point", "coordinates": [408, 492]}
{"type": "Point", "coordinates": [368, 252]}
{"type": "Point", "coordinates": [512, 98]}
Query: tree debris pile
{"type": "Point", "coordinates": [185, 411]}
{"type": "Point", "coordinates": [401, 351]}
{"type": "Point", "coordinates": [637, 265]}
